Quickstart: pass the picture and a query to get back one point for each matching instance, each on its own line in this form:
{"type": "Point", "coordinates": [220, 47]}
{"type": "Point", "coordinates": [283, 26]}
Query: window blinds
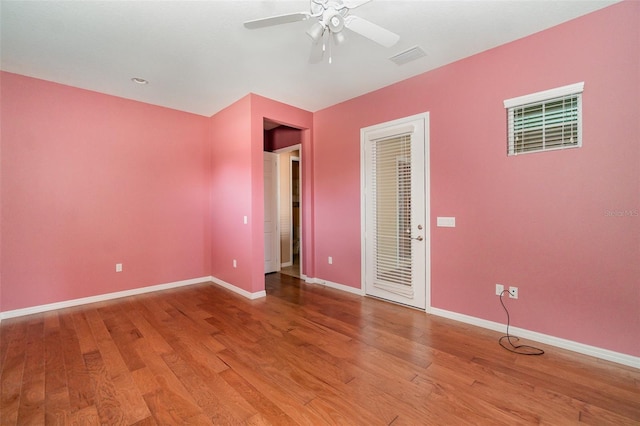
{"type": "Point", "coordinates": [545, 120]}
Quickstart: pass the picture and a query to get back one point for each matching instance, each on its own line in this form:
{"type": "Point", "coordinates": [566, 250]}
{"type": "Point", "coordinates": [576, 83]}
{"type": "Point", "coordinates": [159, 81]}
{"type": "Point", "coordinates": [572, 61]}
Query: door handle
{"type": "Point", "coordinates": [419, 238]}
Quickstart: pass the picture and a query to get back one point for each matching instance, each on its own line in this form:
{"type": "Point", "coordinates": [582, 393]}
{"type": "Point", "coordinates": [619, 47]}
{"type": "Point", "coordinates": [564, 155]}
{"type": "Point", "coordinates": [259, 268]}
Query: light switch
{"type": "Point", "coordinates": [245, 220]}
{"type": "Point", "coordinates": [446, 222]}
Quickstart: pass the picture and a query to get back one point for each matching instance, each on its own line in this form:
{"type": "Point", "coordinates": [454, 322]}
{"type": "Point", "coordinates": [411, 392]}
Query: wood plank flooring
{"type": "Point", "coordinates": [304, 355]}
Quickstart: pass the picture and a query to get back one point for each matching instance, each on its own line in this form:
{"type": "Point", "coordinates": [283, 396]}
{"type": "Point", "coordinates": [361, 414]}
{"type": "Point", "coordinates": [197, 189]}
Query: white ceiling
{"type": "Point", "coordinates": [198, 57]}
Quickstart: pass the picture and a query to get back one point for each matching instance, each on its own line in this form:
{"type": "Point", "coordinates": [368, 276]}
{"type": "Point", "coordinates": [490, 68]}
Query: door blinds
{"type": "Point", "coordinates": [391, 188]}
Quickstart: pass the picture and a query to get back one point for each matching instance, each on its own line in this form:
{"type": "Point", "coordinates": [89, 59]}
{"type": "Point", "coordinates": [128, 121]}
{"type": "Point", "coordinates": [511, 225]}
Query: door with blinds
{"type": "Point", "coordinates": [395, 229]}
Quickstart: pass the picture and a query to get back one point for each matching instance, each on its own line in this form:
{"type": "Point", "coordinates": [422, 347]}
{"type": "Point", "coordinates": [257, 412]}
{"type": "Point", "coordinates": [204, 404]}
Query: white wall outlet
{"type": "Point", "coordinates": [235, 264]}
{"type": "Point", "coordinates": [513, 292]}
{"type": "Point", "coordinates": [245, 220]}
{"type": "Point", "coordinates": [499, 289]}
{"type": "Point", "coordinates": [330, 260]}
{"type": "Point", "coordinates": [118, 267]}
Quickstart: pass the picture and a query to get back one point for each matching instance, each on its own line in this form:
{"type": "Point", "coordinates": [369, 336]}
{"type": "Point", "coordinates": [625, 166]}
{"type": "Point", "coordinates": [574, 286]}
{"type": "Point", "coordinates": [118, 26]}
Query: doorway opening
{"type": "Point", "coordinates": [290, 210]}
{"type": "Point", "coordinates": [290, 254]}
{"type": "Point", "coordinates": [286, 143]}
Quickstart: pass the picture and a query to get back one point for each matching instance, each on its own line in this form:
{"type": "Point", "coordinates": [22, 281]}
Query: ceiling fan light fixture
{"type": "Point", "coordinates": [315, 32]}
{"type": "Point", "coordinates": [336, 23]}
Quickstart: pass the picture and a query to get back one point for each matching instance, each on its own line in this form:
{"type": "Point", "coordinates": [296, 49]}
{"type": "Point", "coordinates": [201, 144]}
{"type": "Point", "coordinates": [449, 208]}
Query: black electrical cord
{"type": "Point", "coordinates": [518, 349]}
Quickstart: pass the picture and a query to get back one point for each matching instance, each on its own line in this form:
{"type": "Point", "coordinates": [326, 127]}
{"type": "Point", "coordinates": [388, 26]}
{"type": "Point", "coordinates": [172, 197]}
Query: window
{"type": "Point", "coordinates": [545, 121]}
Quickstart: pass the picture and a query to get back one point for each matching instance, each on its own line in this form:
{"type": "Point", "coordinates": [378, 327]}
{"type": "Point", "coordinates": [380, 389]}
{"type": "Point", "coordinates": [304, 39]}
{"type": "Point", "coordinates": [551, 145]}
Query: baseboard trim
{"type": "Point", "coordinates": [125, 293]}
{"type": "Point", "coordinates": [100, 298]}
{"type": "Point", "coordinates": [286, 264]}
{"type": "Point", "coordinates": [581, 348]}
{"type": "Point", "coordinates": [594, 351]}
{"type": "Point", "coordinates": [337, 286]}
{"type": "Point", "coordinates": [238, 290]}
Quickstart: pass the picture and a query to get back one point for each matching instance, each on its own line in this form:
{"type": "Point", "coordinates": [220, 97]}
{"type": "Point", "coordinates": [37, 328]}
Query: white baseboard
{"type": "Point", "coordinates": [125, 293]}
{"type": "Point", "coordinates": [337, 286]}
{"type": "Point", "coordinates": [100, 298]}
{"type": "Point", "coordinates": [238, 290]}
{"type": "Point", "coordinates": [286, 264]}
{"type": "Point", "coordinates": [593, 351]}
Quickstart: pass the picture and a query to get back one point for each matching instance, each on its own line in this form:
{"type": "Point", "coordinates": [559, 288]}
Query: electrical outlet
{"type": "Point", "coordinates": [330, 260]}
{"type": "Point", "coordinates": [499, 289]}
{"type": "Point", "coordinates": [118, 267]}
{"type": "Point", "coordinates": [235, 264]}
{"type": "Point", "coordinates": [513, 292]}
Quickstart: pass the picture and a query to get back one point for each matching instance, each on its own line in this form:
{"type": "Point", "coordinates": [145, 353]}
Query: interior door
{"type": "Point", "coordinates": [271, 220]}
{"type": "Point", "coordinates": [395, 211]}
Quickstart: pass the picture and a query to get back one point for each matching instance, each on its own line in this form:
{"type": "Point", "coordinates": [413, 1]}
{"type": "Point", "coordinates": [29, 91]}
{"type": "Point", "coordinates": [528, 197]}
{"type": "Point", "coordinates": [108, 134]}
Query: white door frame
{"type": "Point", "coordinates": [291, 161]}
{"type": "Point", "coordinates": [380, 129]}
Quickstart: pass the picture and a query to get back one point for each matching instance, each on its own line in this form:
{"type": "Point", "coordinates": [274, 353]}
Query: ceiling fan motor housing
{"type": "Point", "coordinates": [334, 20]}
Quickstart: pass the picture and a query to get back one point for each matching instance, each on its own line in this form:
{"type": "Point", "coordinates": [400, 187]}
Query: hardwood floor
{"type": "Point", "coordinates": [305, 354]}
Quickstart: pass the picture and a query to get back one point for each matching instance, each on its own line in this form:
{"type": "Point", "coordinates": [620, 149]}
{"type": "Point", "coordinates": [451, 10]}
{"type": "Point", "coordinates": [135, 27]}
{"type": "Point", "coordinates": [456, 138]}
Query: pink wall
{"type": "Point", "coordinates": [536, 221]}
{"type": "Point", "coordinates": [231, 194]}
{"type": "Point", "coordinates": [90, 180]}
{"type": "Point", "coordinates": [237, 187]}
{"type": "Point", "coordinates": [282, 137]}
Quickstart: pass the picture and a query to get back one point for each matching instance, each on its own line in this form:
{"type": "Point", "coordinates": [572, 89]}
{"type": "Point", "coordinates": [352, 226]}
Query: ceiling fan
{"type": "Point", "coordinates": [333, 16]}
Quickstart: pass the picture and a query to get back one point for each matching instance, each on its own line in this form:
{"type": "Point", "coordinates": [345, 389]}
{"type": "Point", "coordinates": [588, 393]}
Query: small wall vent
{"type": "Point", "coordinates": [408, 55]}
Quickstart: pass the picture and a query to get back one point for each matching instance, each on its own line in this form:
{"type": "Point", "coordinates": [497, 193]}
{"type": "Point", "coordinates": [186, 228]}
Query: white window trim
{"type": "Point", "coordinates": [571, 89]}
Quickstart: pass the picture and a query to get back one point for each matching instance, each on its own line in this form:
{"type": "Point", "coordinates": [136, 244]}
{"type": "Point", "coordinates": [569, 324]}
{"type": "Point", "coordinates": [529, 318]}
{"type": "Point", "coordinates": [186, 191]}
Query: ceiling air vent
{"type": "Point", "coordinates": [408, 55]}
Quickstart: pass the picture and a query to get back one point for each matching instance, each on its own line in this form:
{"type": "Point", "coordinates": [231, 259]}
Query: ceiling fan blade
{"type": "Point", "coordinates": [371, 31]}
{"type": "Point", "coordinates": [276, 20]}
{"type": "Point", "coordinates": [352, 4]}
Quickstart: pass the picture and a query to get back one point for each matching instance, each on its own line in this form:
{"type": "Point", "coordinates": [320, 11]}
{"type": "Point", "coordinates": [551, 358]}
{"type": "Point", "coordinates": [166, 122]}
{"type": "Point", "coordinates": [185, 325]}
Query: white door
{"type": "Point", "coordinates": [271, 222]}
{"type": "Point", "coordinates": [395, 210]}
